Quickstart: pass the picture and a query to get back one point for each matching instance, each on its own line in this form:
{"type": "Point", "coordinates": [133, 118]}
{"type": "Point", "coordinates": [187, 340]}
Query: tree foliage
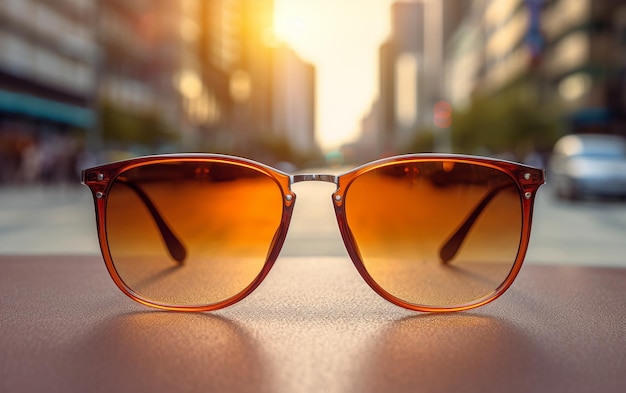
{"type": "Point", "coordinates": [517, 120]}
{"type": "Point", "coordinates": [123, 127]}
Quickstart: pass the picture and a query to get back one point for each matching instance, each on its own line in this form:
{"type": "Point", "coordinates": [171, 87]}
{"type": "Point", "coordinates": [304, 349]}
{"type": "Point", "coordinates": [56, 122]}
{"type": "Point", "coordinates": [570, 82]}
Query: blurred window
{"type": "Point", "coordinates": [49, 21]}
{"type": "Point", "coordinates": [18, 9]}
{"type": "Point", "coordinates": [570, 52]}
{"type": "Point", "coordinates": [565, 15]}
{"type": "Point", "coordinates": [603, 149]}
{"type": "Point", "coordinates": [17, 53]}
{"type": "Point", "coordinates": [407, 69]}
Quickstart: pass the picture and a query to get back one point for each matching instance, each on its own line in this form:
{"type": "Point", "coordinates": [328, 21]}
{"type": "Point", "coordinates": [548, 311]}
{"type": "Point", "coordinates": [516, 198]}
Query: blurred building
{"type": "Point", "coordinates": [585, 61]}
{"type": "Point", "coordinates": [144, 73]}
{"type": "Point", "coordinates": [404, 72]}
{"type": "Point", "coordinates": [466, 56]}
{"type": "Point", "coordinates": [568, 54]}
{"type": "Point", "coordinates": [243, 52]}
{"type": "Point", "coordinates": [47, 53]}
{"type": "Point", "coordinates": [162, 63]}
{"type": "Point", "coordinates": [219, 48]}
{"type": "Point", "coordinates": [368, 146]}
{"type": "Point", "coordinates": [264, 93]}
{"type": "Point", "coordinates": [144, 76]}
{"type": "Point", "coordinates": [411, 77]}
{"type": "Point", "coordinates": [236, 50]}
{"type": "Point", "coordinates": [294, 100]}
{"type": "Point", "coordinates": [573, 50]}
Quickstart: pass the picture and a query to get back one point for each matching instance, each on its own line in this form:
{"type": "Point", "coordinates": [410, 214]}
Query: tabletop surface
{"type": "Point", "coordinates": [312, 326]}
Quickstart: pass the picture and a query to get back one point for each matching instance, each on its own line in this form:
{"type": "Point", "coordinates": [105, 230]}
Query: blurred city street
{"type": "Point", "coordinates": [88, 81]}
{"type": "Point", "coordinates": [60, 220]}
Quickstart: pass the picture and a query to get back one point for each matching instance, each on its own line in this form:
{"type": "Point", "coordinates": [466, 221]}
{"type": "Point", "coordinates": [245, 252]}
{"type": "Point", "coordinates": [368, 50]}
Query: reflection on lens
{"type": "Point", "coordinates": [222, 219]}
{"type": "Point", "coordinates": [436, 234]}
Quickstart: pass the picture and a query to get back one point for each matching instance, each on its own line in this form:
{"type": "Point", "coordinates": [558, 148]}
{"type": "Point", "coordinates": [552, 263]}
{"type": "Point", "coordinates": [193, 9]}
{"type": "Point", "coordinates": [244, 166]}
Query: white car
{"type": "Point", "coordinates": [589, 165]}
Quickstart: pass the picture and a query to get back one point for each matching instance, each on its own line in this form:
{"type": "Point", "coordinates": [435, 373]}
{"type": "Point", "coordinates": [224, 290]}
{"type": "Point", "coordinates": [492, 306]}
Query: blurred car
{"type": "Point", "coordinates": [589, 165]}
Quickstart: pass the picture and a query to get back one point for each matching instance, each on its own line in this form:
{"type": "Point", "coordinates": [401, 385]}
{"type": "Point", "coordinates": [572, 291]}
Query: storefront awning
{"type": "Point", "coordinates": [43, 109]}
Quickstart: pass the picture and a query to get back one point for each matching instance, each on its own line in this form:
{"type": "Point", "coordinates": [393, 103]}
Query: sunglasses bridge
{"type": "Point", "coordinates": [314, 177]}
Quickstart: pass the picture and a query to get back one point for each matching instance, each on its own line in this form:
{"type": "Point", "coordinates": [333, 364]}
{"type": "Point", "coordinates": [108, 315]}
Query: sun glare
{"type": "Point", "coordinates": [290, 27]}
{"type": "Point", "coordinates": [341, 38]}
{"type": "Point", "coordinates": [293, 25]}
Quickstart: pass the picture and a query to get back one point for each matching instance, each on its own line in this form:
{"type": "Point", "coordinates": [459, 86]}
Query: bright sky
{"type": "Point", "coordinates": [341, 38]}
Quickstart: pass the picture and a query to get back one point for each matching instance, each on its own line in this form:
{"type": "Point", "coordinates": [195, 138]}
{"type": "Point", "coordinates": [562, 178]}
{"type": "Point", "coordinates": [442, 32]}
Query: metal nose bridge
{"type": "Point", "coordinates": [314, 177]}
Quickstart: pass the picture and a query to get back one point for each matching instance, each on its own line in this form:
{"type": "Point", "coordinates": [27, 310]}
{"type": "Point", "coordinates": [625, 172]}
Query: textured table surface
{"type": "Point", "coordinates": [312, 326]}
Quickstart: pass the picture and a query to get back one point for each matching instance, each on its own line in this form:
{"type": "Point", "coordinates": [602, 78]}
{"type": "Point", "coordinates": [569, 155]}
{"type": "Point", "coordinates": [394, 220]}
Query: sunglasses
{"type": "Point", "coordinates": [199, 232]}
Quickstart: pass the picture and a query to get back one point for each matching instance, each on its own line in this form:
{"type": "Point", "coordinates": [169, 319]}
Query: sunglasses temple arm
{"type": "Point", "coordinates": [174, 246]}
{"type": "Point", "coordinates": [451, 247]}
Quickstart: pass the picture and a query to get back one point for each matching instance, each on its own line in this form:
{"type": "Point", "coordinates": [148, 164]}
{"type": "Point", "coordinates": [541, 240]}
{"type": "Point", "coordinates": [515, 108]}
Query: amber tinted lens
{"type": "Point", "coordinates": [191, 233]}
{"type": "Point", "coordinates": [437, 234]}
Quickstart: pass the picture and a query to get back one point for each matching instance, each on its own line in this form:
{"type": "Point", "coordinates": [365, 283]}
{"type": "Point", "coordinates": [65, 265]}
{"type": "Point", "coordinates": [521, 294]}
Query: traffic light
{"type": "Point", "coordinates": [442, 114]}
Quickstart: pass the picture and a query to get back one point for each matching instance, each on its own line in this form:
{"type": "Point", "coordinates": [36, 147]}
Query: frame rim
{"type": "Point", "coordinates": [100, 185]}
{"type": "Point", "coordinates": [527, 189]}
